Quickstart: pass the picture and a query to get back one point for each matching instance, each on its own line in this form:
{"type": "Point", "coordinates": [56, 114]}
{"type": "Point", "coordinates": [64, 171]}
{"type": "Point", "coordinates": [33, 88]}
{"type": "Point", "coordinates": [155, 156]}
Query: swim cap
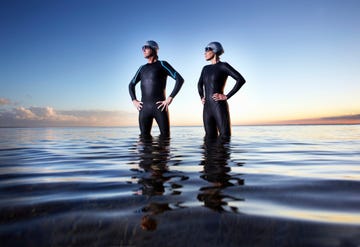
{"type": "Point", "coordinates": [216, 47]}
{"type": "Point", "coordinates": [152, 44]}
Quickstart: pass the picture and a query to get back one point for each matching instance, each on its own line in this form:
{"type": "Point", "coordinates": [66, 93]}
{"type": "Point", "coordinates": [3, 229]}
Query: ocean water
{"type": "Point", "coordinates": [267, 186]}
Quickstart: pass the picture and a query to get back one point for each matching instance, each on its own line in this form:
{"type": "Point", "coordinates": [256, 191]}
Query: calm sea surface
{"type": "Point", "coordinates": [267, 186]}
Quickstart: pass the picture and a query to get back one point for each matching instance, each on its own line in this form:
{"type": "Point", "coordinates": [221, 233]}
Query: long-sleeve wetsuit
{"type": "Point", "coordinates": [216, 114]}
{"type": "Point", "coordinates": [153, 84]}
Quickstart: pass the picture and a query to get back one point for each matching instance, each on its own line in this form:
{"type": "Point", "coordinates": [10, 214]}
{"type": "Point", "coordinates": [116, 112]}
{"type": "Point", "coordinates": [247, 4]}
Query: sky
{"type": "Point", "coordinates": [69, 62]}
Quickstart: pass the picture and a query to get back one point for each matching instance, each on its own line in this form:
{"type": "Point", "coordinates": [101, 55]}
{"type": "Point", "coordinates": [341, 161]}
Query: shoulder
{"type": "Point", "coordinates": [164, 63]}
{"type": "Point", "coordinates": [224, 64]}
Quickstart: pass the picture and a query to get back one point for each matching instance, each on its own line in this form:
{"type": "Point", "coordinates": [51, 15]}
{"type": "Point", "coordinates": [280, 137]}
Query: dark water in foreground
{"type": "Point", "coordinates": [268, 186]}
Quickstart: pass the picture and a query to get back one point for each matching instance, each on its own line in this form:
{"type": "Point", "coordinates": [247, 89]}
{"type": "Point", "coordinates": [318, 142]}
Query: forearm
{"type": "Point", "coordinates": [239, 83]}
{"type": "Point", "coordinates": [201, 89]}
{"type": "Point", "coordinates": [178, 84]}
{"type": "Point", "coordinates": [132, 91]}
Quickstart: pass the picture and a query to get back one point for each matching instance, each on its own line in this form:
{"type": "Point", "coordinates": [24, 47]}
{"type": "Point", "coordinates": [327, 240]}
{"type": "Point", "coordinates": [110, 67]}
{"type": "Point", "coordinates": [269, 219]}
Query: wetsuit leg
{"type": "Point", "coordinates": [209, 122]}
{"type": "Point", "coordinates": [145, 121]}
{"type": "Point", "coordinates": [222, 116]}
{"type": "Point", "coordinates": [162, 119]}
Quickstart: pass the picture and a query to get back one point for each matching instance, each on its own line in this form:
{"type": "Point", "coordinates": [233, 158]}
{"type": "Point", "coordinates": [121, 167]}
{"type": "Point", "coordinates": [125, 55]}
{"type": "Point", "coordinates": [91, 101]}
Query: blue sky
{"type": "Point", "coordinates": [70, 62]}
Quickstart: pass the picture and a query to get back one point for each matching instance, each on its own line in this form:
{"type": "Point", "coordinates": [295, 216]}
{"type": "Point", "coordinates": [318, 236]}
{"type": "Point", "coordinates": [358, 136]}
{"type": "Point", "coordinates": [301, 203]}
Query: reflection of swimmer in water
{"type": "Point", "coordinates": [154, 103]}
{"type": "Point", "coordinates": [148, 222]}
{"type": "Point", "coordinates": [154, 156]}
{"type": "Point", "coordinates": [216, 171]}
{"type": "Point", "coordinates": [213, 77]}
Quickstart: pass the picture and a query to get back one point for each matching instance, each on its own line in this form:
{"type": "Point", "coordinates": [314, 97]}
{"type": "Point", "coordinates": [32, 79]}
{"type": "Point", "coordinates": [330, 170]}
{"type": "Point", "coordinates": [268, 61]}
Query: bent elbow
{"type": "Point", "coordinates": [180, 79]}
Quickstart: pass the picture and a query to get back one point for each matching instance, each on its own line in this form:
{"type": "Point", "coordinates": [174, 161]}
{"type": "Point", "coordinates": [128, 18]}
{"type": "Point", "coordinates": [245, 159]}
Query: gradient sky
{"type": "Point", "coordinates": [69, 62]}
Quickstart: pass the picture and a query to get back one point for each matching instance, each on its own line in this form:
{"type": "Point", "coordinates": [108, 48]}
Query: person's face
{"type": "Point", "coordinates": [209, 53]}
{"type": "Point", "coordinates": [147, 51]}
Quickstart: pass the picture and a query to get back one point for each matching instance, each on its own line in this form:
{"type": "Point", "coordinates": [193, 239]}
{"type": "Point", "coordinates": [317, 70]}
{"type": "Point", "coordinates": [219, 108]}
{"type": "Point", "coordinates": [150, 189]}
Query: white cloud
{"type": "Point", "coordinates": [48, 116]}
{"type": "Point", "coordinates": [4, 101]}
{"type": "Point", "coordinates": [23, 113]}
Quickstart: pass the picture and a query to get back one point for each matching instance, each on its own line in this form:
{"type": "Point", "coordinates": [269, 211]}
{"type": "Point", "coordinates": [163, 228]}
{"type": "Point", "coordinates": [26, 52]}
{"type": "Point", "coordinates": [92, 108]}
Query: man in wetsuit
{"type": "Point", "coordinates": [212, 80]}
{"type": "Point", "coordinates": [154, 104]}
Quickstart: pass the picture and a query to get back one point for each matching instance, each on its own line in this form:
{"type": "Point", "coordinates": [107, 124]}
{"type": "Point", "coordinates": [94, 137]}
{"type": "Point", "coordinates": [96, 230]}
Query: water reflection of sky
{"type": "Point", "coordinates": [271, 209]}
{"type": "Point", "coordinates": [292, 172]}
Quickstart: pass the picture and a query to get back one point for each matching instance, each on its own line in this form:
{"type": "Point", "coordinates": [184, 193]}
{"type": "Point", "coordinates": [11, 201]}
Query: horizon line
{"type": "Point", "coordinates": [133, 126]}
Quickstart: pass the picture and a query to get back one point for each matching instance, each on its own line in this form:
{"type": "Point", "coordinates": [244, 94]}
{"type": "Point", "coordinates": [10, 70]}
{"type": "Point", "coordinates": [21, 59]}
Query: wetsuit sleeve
{"type": "Point", "coordinates": [179, 81]}
{"type": "Point", "coordinates": [133, 83]}
{"type": "Point", "coordinates": [201, 85]}
{"type": "Point", "coordinates": [240, 81]}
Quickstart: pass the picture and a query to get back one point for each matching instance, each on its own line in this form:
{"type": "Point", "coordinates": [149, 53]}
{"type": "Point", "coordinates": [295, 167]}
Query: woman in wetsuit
{"type": "Point", "coordinates": [154, 104]}
{"type": "Point", "coordinates": [211, 85]}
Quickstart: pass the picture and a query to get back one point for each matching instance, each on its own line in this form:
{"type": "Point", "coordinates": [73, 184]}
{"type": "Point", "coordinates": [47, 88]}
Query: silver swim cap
{"type": "Point", "coordinates": [216, 47]}
{"type": "Point", "coordinates": [152, 44]}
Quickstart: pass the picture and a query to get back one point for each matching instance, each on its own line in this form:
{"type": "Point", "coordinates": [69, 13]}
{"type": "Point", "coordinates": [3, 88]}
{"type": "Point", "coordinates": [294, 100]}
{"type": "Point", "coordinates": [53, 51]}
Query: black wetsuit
{"type": "Point", "coordinates": [153, 83]}
{"type": "Point", "coordinates": [216, 114]}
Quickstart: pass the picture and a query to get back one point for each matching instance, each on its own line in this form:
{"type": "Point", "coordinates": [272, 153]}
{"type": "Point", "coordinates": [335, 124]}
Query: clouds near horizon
{"type": "Point", "coordinates": [4, 101]}
{"type": "Point", "coordinates": [49, 117]}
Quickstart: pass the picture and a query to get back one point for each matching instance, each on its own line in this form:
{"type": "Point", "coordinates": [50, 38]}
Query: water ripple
{"type": "Point", "coordinates": [51, 173]}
